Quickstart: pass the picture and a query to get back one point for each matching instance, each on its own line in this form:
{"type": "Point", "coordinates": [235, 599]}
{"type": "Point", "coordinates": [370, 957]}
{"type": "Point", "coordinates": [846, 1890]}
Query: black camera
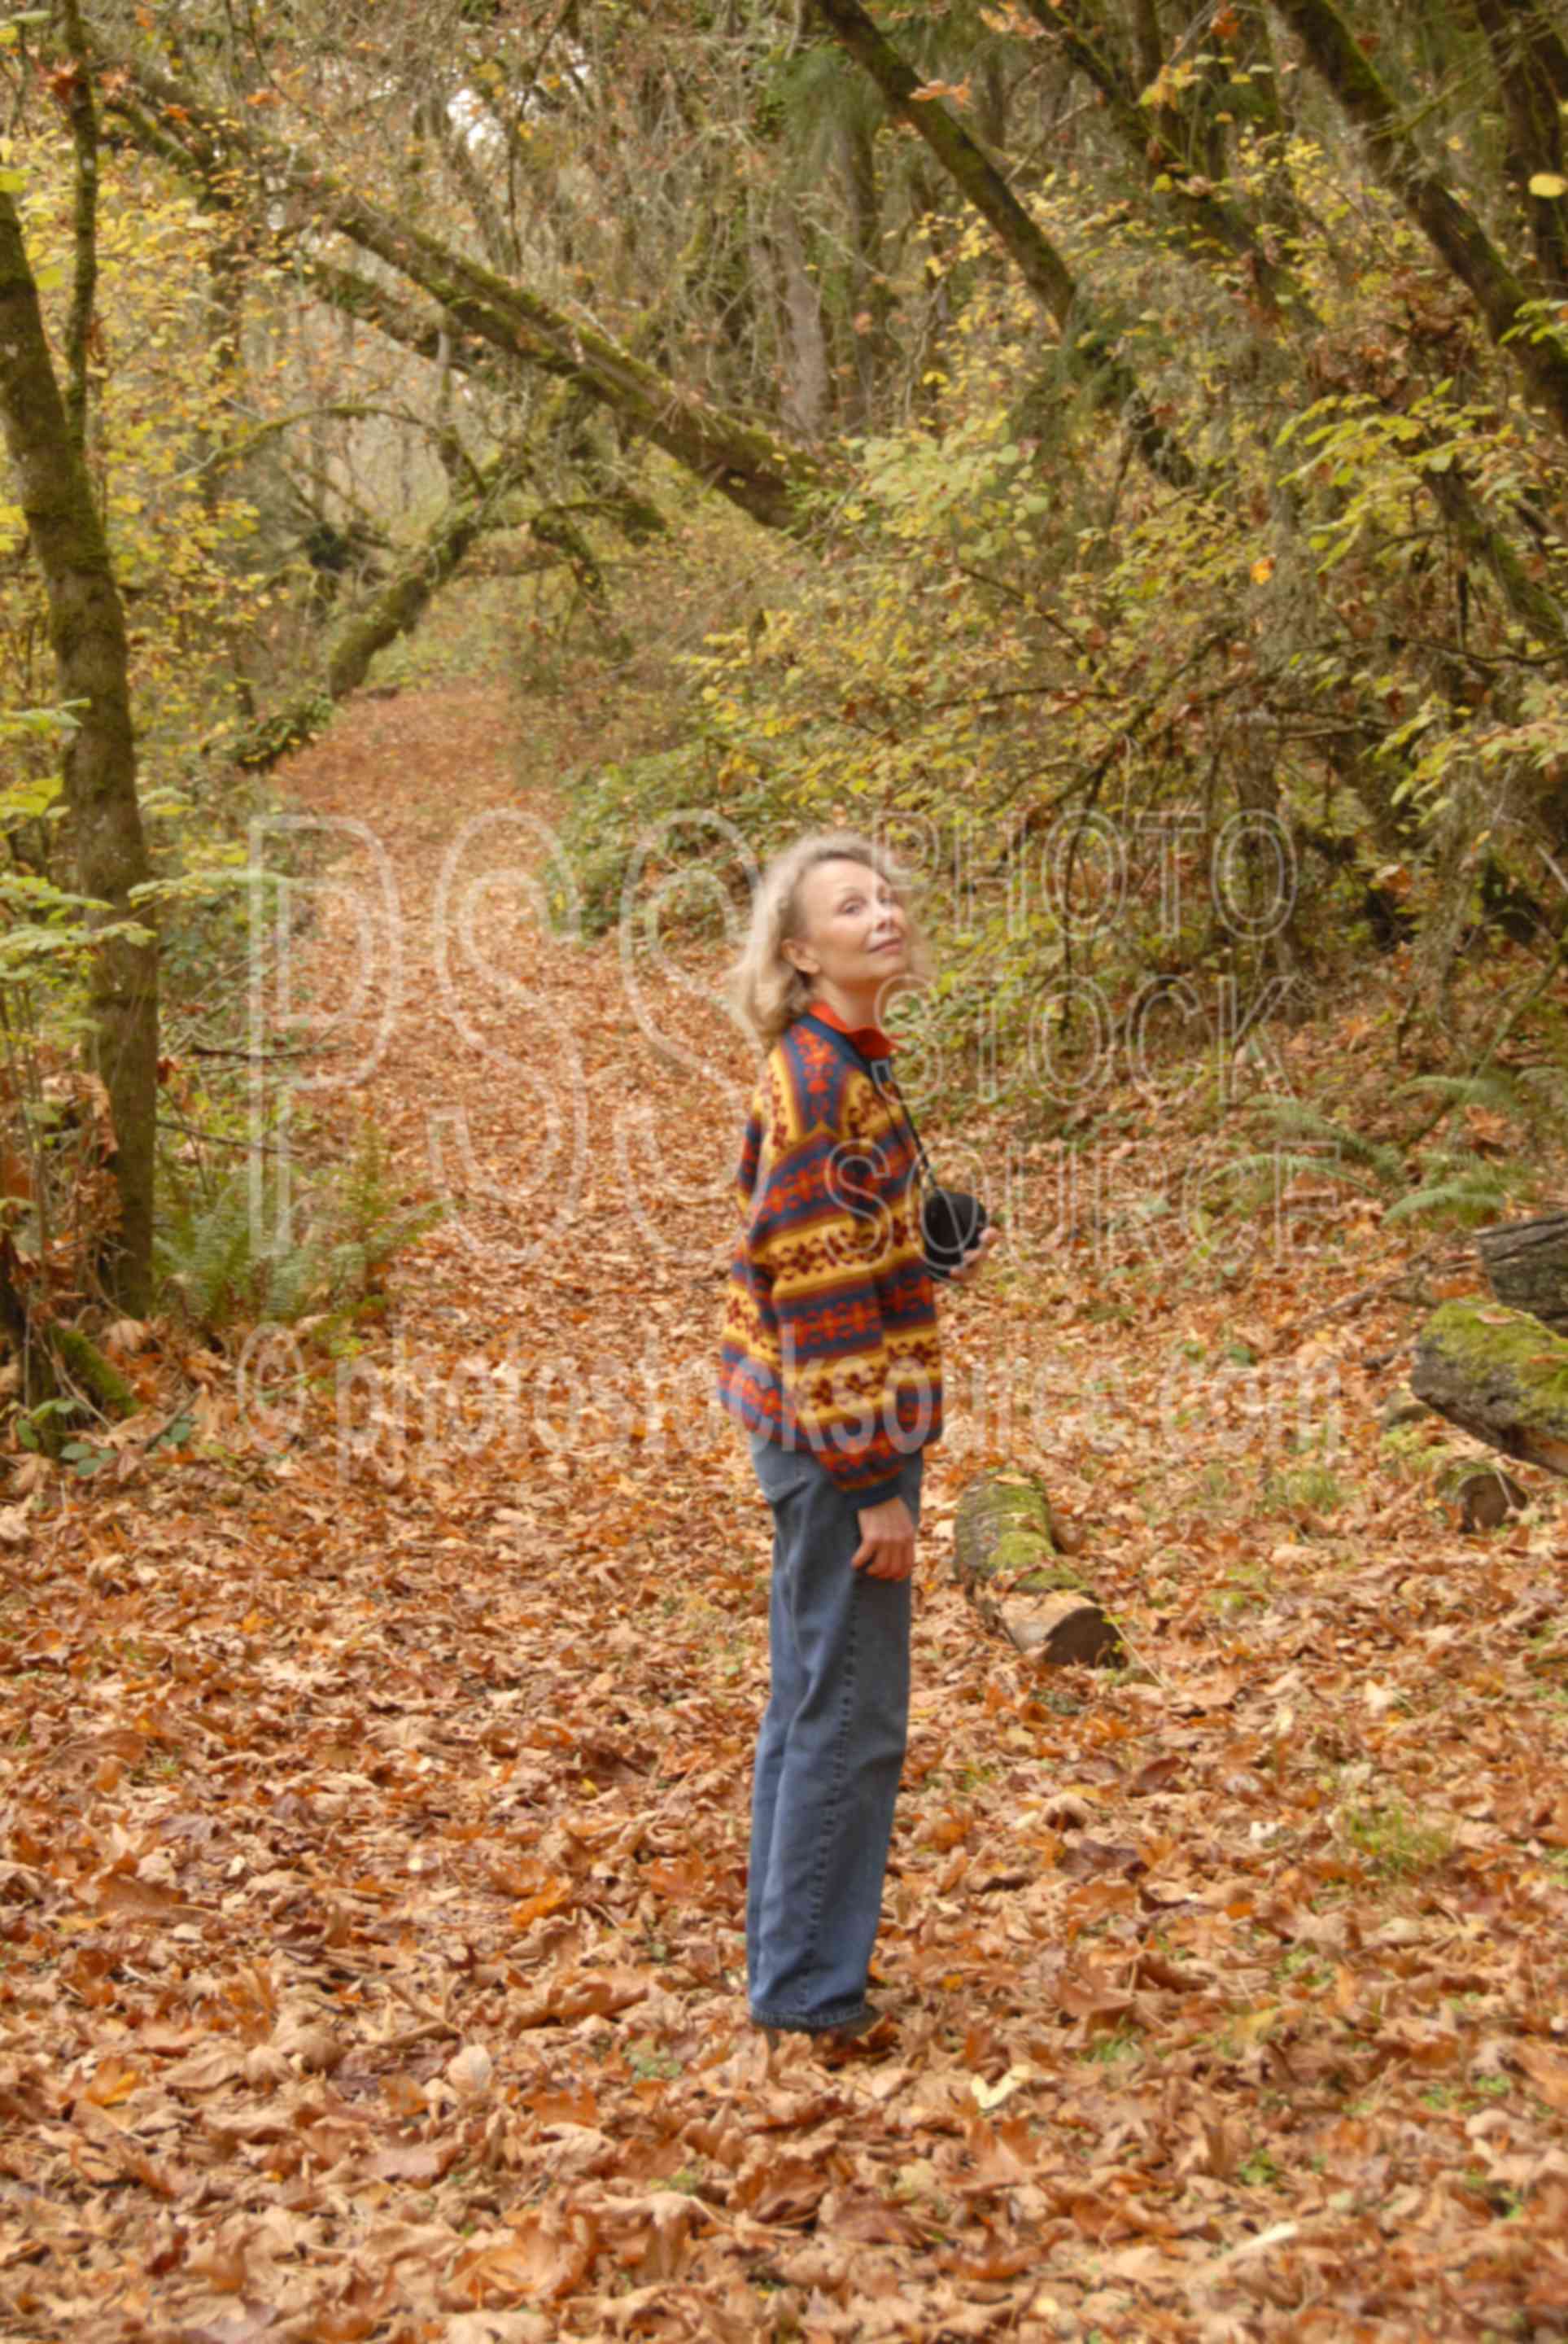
{"type": "Point", "coordinates": [950, 1225]}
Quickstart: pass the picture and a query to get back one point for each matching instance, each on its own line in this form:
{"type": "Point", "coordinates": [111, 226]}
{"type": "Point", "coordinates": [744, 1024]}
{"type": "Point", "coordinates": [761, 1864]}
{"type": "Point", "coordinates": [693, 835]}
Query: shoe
{"type": "Point", "coordinates": [827, 2038]}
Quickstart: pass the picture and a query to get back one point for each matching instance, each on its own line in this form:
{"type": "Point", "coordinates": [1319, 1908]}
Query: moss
{"type": "Point", "coordinates": [1016, 1549]}
{"type": "Point", "coordinates": [1022, 1501]}
{"type": "Point", "coordinates": [1005, 1526]}
{"type": "Point", "coordinates": [86, 1365]}
{"type": "Point", "coordinates": [1492, 1342]}
{"type": "Point", "coordinates": [1060, 1580]}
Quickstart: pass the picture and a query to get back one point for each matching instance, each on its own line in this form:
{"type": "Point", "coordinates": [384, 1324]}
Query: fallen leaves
{"type": "Point", "coordinates": [1547, 2069]}
{"type": "Point", "coordinates": [372, 1873]}
{"type": "Point", "coordinates": [547, 2255]}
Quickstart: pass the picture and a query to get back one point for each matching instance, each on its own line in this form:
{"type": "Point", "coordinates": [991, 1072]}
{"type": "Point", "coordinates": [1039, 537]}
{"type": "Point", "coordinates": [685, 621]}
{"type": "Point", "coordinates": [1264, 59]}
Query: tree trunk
{"type": "Point", "coordinates": [1148, 40]}
{"type": "Point", "coordinates": [87, 633]}
{"type": "Point", "coordinates": [1043, 267]}
{"type": "Point", "coordinates": [1454, 232]}
{"type": "Point", "coordinates": [869, 295]}
{"type": "Point", "coordinates": [1522, 43]}
{"type": "Point", "coordinates": [1501, 1375]}
{"type": "Point", "coordinates": [1527, 1263]}
{"type": "Point", "coordinates": [1006, 1561]}
{"type": "Point", "coordinates": [806, 384]}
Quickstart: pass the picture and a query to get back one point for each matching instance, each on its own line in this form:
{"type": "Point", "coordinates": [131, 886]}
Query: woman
{"type": "Point", "coordinates": [830, 1360]}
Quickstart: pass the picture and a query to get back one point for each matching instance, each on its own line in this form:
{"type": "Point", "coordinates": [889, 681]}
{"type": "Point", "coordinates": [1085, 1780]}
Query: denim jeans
{"type": "Point", "coordinates": [830, 1750]}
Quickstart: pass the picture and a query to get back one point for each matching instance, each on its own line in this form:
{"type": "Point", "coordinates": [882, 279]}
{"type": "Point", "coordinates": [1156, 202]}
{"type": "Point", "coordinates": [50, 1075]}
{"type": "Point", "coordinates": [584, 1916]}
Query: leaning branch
{"type": "Point", "coordinates": [1452, 230]}
{"type": "Point", "coordinates": [1041, 266]}
{"type": "Point", "coordinates": [753, 469]}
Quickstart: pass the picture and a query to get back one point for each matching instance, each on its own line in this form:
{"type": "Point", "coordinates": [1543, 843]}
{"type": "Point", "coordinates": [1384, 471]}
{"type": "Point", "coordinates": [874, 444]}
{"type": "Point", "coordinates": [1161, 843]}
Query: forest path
{"type": "Point", "coordinates": [377, 1839]}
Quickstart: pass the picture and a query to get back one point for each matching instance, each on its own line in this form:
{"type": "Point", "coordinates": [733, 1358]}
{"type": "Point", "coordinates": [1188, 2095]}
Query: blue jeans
{"type": "Point", "coordinates": [829, 1751]}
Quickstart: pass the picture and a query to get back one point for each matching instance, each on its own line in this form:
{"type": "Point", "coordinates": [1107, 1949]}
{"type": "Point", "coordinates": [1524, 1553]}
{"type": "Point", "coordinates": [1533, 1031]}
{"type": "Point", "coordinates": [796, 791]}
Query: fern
{"type": "Point", "coordinates": [205, 1254]}
{"type": "Point", "coordinates": [1461, 1188]}
{"type": "Point", "coordinates": [222, 1261]}
{"type": "Point", "coordinates": [1495, 1089]}
{"type": "Point", "coordinates": [1534, 1096]}
{"type": "Point", "coordinates": [1293, 1120]}
{"type": "Point", "coordinates": [1307, 1167]}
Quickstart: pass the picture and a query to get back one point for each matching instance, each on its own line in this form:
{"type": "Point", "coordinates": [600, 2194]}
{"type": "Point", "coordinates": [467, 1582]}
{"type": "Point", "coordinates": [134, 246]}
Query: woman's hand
{"type": "Point", "coordinates": [976, 1257]}
{"type": "Point", "coordinates": [886, 1548]}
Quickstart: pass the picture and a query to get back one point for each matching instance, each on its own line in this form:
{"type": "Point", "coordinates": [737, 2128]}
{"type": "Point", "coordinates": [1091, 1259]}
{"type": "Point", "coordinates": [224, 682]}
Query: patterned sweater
{"type": "Point", "coordinates": [829, 1336]}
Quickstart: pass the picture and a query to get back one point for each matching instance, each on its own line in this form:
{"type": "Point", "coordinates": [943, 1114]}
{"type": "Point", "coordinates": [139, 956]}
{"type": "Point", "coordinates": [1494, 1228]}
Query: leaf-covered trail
{"type": "Point", "coordinates": [374, 1792]}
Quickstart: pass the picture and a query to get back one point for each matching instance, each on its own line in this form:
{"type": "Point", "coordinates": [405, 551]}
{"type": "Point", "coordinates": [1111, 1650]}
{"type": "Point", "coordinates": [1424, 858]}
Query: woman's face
{"type": "Point", "coordinates": [852, 927]}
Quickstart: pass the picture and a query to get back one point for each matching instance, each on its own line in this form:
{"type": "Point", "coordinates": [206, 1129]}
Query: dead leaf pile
{"type": "Point", "coordinates": [375, 1794]}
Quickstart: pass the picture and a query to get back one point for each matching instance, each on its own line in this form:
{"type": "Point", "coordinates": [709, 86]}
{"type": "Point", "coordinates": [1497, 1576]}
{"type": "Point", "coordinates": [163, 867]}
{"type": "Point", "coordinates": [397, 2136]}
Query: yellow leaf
{"type": "Point", "coordinates": [991, 2096]}
{"type": "Point", "coordinates": [1263, 569]}
{"type": "Point", "coordinates": [1547, 183]}
{"type": "Point", "coordinates": [113, 2081]}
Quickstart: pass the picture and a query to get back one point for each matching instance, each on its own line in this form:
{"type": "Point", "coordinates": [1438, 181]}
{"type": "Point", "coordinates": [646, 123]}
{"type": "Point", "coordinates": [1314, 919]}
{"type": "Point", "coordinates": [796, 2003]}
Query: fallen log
{"type": "Point", "coordinates": [1501, 1375]}
{"type": "Point", "coordinates": [1527, 1264]}
{"type": "Point", "coordinates": [1006, 1560]}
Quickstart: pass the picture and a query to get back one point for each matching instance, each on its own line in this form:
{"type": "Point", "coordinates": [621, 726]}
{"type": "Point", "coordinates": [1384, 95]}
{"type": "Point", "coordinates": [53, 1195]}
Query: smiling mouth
{"type": "Point", "coordinates": [889, 944]}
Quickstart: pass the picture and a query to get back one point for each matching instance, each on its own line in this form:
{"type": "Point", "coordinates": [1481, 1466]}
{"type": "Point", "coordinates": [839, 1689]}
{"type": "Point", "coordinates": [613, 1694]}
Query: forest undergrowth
{"type": "Point", "coordinates": [376, 1754]}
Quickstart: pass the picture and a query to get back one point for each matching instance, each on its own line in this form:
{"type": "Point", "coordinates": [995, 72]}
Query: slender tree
{"type": "Point", "coordinates": [1453, 230]}
{"type": "Point", "coordinates": [87, 631]}
{"type": "Point", "coordinates": [1043, 268]}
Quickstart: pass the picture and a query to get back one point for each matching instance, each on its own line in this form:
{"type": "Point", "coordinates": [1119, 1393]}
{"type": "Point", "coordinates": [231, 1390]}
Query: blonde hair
{"type": "Point", "coordinates": [764, 990]}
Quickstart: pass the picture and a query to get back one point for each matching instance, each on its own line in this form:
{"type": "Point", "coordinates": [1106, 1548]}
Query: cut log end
{"type": "Point", "coordinates": [1005, 1559]}
{"type": "Point", "coordinates": [1487, 1496]}
{"type": "Point", "coordinates": [1063, 1631]}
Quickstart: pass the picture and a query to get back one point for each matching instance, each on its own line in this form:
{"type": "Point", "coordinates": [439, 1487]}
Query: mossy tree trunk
{"type": "Point", "coordinates": [1453, 230]}
{"type": "Point", "coordinates": [401, 600]}
{"type": "Point", "coordinates": [1500, 1374]}
{"type": "Point", "coordinates": [87, 633]}
{"type": "Point", "coordinates": [82, 112]}
{"type": "Point", "coordinates": [1006, 1561]}
{"type": "Point", "coordinates": [1041, 266]}
{"type": "Point", "coordinates": [397, 608]}
{"type": "Point", "coordinates": [56, 1364]}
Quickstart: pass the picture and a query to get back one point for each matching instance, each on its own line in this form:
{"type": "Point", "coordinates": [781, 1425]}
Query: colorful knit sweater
{"type": "Point", "coordinates": [829, 1336]}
